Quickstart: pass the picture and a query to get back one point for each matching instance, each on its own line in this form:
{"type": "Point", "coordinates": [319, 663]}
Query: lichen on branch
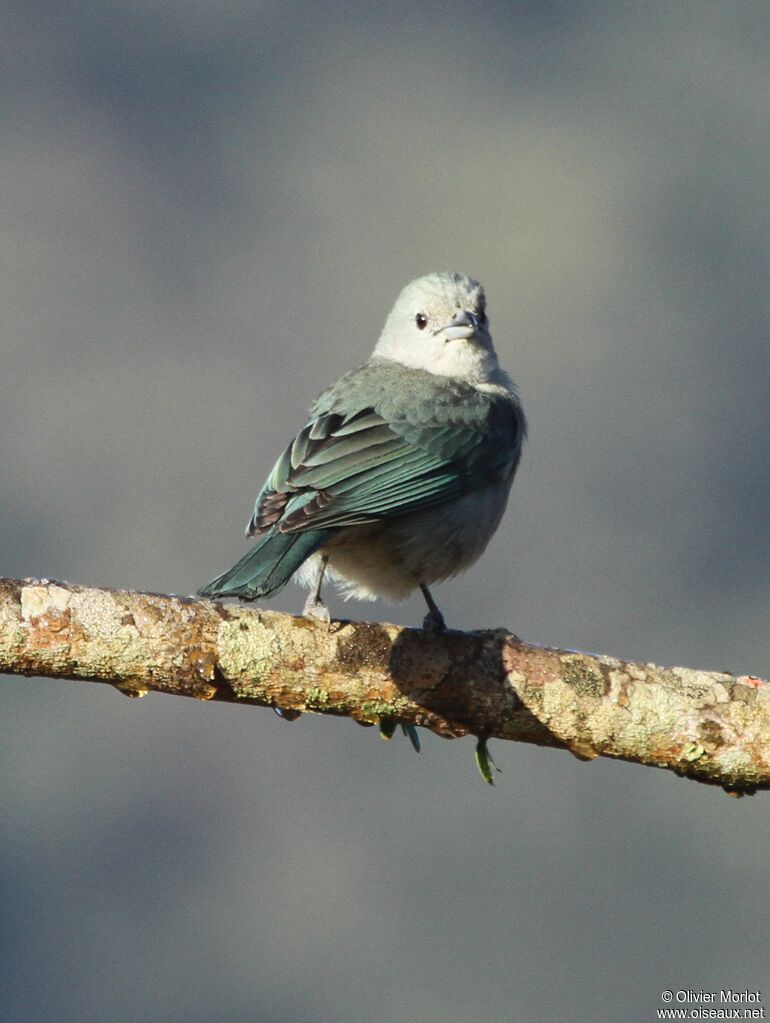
{"type": "Point", "coordinates": [710, 726]}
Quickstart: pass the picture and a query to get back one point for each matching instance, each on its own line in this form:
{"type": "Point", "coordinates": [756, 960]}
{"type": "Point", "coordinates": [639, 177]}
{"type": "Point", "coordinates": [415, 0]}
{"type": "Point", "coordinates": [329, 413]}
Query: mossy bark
{"type": "Point", "coordinates": [709, 726]}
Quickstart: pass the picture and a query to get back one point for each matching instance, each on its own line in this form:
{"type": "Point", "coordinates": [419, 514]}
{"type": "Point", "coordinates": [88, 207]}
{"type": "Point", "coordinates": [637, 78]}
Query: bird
{"type": "Point", "coordinates": [401, 474]}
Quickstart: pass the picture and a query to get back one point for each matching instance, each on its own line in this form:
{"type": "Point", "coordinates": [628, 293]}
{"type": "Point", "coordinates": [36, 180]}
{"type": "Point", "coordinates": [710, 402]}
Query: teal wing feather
{"type": "Point", "coordinates": [348, 467]}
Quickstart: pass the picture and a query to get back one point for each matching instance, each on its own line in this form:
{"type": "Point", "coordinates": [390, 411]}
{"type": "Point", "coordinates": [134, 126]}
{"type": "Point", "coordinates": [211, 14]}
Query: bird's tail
{"type": "Point", "coordinates": [268, 566]}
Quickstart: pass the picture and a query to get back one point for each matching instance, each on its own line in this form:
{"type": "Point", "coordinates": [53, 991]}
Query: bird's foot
{"type": "Point", "coordinates": [316, 609]}
{"type": "Point", "coordinates": [434, 622]}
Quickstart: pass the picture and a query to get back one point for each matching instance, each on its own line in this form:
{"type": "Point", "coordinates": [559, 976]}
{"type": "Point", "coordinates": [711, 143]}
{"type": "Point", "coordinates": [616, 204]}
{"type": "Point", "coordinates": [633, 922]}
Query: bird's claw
{"type": "Point", "coordinates": [317, 610]}
{"type": "Point", "coordinates": [433, 622]}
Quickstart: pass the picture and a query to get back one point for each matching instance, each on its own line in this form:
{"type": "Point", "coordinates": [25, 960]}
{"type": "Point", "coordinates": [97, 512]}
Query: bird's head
{"type": "Point", "coordinates": [439, 324]}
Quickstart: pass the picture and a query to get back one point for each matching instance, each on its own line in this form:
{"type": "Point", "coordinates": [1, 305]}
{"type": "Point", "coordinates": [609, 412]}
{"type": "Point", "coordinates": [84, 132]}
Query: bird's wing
{"type": "Point", "coordinates": [347, 469]}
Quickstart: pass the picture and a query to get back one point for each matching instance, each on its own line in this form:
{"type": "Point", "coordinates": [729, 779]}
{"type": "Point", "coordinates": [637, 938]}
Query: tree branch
{"type": "Point", "coordinates": [709, 726]}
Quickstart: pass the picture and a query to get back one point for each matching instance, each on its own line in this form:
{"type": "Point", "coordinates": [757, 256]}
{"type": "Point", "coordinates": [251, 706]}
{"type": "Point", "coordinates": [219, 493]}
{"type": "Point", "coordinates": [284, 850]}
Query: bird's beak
{"type": "Point", "coordinates": [463, 326]}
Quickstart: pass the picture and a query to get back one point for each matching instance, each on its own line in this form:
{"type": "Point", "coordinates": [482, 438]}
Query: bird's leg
{"type": "Point", "coordinates": [314, 606]}
{"type": "Point", "coordinates": [434, 620]}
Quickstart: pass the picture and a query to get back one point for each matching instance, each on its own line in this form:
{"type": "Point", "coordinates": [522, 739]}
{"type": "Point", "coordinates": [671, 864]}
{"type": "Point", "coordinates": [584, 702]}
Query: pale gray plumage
{"type": "Point", "coordinates": [402, 473]}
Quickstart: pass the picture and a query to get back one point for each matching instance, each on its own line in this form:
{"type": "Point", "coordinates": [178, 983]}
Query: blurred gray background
{"type": "Point", "coordinates": [208, 210]}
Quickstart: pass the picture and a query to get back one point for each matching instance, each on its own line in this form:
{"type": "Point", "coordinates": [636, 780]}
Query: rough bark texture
{"type": "Point", "coordinates": [709, 726]}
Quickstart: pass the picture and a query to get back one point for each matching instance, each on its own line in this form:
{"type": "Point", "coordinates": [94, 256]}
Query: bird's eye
{"type": "Point", "coordinates": [421, 320]}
